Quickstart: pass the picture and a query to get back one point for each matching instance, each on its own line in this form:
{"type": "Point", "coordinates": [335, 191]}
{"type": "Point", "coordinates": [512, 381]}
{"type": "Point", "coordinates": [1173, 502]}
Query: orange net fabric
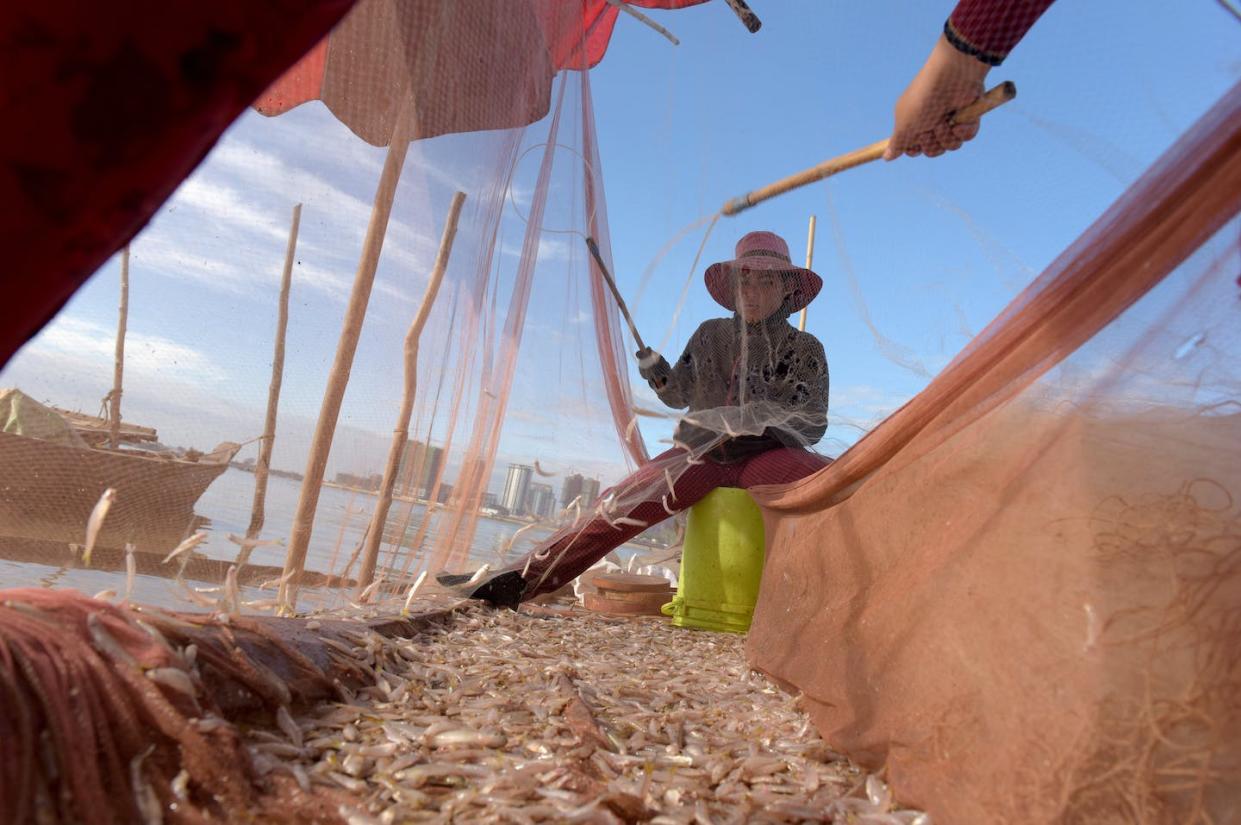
{"type": "Point", "coordinates": [1029, 577]}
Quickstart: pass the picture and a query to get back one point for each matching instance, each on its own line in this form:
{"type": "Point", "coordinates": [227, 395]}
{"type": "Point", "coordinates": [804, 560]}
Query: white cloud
{"type": "Point", "coordinates": [225, 205]}
{"type": "Point", "coordinates": [866, 399]}
{"type": "Point", "coordinates": [158, 252]}
{"type": "Point", "coordinates": [87, 344]}
{"type": "Point", "coordinates": [266, 172]}
{"type": "Point", "coordinates": [334, 284]}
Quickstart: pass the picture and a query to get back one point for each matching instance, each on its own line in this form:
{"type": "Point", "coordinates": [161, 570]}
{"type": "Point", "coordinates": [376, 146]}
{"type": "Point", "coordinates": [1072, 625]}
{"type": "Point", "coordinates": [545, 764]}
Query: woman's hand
{"type": "Point", "coordinates": [949, 80]}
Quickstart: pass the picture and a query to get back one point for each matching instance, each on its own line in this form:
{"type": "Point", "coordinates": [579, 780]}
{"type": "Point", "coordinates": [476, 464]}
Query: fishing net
{"type": "Point", "coordinates": [366, 354]}
{"type": "Point", "coordinates": [1062, 644]}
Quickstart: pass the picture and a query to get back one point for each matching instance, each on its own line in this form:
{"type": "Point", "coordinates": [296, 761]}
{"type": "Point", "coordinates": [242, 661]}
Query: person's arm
{"type": "Point", "coordinates": [807, 398]}
{"type": "Point", "coordinates": [978, 34]}
{"type": "Point", "coordinates": [672, 383]}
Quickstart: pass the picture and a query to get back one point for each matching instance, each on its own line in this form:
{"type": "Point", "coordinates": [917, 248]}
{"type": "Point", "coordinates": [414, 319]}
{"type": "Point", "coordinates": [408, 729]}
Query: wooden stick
{"type": "Point", "coordinates": [801, 321]}
{"type": "Point", "coordinates": [748, 18]}
{"type": "Point", "coordinates": [997, 96]}
{"type": "Point", "coordinates": [400, 435]}
{"type": "Point", "coordinates": [261, 469]}
{"type": "Point", "coordinates": [620, 302]}
{"type": "Point", "coordinates": [118, 369]}
{"type": "Point", "coordinates": [642, 18]}
{"type": "Point", "coordinates": [338, 378]}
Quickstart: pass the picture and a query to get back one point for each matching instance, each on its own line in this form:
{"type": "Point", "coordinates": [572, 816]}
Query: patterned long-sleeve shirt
{"type": "Point", "coordinates": [989, 29]}
{"type": "Point", "coordinates": [770, 380]}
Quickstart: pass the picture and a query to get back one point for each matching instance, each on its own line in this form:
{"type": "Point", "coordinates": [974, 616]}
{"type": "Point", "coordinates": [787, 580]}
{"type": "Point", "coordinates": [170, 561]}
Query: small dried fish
{"type": "Point", "coordinates": [413, 591]}
{"type": "Point", "coordinates": [463, 737]}
{"type": "Point", "coordinates": [185, 546]}
{"type": "Point", "coordinates": [175, 679]}
{"type": "Point", "coordinates": [149, 806]}
{"type": "Point", "coordinates": [180, 785]}
{"type": "Point", "coordinates": [131, 570]}
{"type": "Point", "coordinates": [286, 724]}
{"type": "Point", "coordinates": [106, 643]}
{"type": "Point", "coordinates": [95, 523]}
{"type": "Point", "coordinates": [232, 593]}
{"type": "Point", "coordinates": [242, 541]}
{"type": "Point", "coordinates": [471, 721]}
{"type": "Point", "coordinates": [365, 595]}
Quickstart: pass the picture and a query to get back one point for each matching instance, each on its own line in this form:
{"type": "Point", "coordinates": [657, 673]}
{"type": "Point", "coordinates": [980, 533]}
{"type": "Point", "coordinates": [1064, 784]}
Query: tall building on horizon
{"type": "Point", "coordinates": [571, 489]}
{"type": "Point", "coordinates": [577, 485]}
{"type": "Point", "coordinates": [419, 465]}
{"type": "Point", "coordinates": [541, 500]}
{"type": "Point", "coordinates": [590, 492]}
{"type": "Point", "coordinates": [516, 487]}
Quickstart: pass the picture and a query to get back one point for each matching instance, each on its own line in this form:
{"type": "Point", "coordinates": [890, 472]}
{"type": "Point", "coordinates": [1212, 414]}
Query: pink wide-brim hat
{"type": "Point", "coordinates": [762, 251]}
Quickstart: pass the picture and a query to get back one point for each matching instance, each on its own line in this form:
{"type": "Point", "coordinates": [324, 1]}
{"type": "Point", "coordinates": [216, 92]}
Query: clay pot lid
{"type": "Point", "coordinates": [631, 583]}
{"type": "Point", "coordinates": [635, 604]}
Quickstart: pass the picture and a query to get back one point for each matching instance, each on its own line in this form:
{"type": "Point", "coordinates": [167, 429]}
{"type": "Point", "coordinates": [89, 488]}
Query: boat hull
{"type": "Point", "coordinates": [48, 490]}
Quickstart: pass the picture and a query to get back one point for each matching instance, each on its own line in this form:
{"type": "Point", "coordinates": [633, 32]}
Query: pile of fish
{"type": "Point", "coordinates": [499, 716]}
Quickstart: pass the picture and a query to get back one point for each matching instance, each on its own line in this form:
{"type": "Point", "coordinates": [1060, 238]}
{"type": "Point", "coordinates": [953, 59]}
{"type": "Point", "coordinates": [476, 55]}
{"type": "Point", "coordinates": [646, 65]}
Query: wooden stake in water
{"type": "Point", "coordinates": [262, 467]}
{"type": "Point", "coordinates": [118, 370]}
{"type": "Point", "coordinates": [400, 435]}
{"type": "Point", "coordinates": [801, 320]}
{"type": "Point", "coordinates": [338, 378]}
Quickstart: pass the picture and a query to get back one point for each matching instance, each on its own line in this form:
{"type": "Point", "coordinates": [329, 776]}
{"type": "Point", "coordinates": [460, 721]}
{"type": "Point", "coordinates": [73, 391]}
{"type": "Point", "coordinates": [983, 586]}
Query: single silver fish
{"type": "Point", "coordinates": [185, 546]}
{"type": "Point", "coordinates": [95, 523]}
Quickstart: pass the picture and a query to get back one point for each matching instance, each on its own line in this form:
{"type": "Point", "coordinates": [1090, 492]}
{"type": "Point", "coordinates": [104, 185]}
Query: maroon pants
{"type": "Point", "coordinates": [642, 496]}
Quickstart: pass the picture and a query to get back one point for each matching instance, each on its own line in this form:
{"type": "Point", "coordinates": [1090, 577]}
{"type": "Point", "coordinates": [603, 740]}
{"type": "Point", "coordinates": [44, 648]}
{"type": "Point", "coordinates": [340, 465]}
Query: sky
{"type": "Point", "coordinates": [917, 255]}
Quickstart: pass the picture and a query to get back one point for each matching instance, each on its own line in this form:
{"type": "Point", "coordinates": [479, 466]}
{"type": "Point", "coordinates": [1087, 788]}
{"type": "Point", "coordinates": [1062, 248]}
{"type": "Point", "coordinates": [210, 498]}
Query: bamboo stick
{"type": "Point", "coordinates": [997, 96]}
{"type": "Point", "coordinates": [620, 302]}
{"type": "Point", "coordinates": [642, 18]}
{"type": "Point", "coordinates": [261, 469]}
{"type": "Point", "coordinates": [400, 435]}
{"type": "Point", "coordinates": [748, 18]}
{"type": "Point", "coordinates": [338, 377]}
{"type": "Point", "coordinates": [801, 320]}
{"type": "Point", "coordinates": [118, 369]}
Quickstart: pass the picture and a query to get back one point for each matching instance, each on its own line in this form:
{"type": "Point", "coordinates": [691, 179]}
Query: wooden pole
{"type": "Point", "coordinates": [997, 96]}
{"type": "Point", "coordinates": [118, 369]}
{"type": "Point", "coordinates": [801, 321]}
{"type": "Point", "coordinates": [400, 435]}
{"type": "Point", "coordinates": [263, 466]}
{"type": "Point", "coordinates": [338, 377]}
{"type": "Point", "coordinates": [748, 18]}
{"type": "Point", "coordinates": [620, 302]}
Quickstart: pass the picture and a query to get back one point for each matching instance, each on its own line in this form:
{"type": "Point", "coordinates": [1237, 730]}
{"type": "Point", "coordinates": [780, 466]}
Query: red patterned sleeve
{"type": "Point", "coordinates": [989, 29]}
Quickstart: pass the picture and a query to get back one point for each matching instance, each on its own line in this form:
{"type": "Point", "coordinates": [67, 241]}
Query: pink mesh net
{"type": "Point", "coordinates": [364, 355]}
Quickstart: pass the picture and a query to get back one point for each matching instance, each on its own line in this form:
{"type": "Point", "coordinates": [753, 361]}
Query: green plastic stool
{"type": "Point", "coordinates": [721, 563]}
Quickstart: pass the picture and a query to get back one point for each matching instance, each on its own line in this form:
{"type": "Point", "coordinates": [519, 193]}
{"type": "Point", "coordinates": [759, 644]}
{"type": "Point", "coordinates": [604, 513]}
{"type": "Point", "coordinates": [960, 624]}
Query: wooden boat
{"type": "Point", "coordinates": [51, 479]}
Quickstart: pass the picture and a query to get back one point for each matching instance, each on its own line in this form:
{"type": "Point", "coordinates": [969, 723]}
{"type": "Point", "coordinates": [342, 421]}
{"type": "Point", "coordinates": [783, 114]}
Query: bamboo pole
{"type": "Point", "coordinates": [801, 320]}
{"type": "Point", "coordinates": [620, 302]}
{"type": "Point", "coordinates": [118, 369]}
{"type": "Point", "coordinates": [997, 96]}
{"type": "Point", "coordinates": [748, 18]}
{"type": "Point", "coordinates": [400, 435]}
{"type": "Point", "coordinates": [268, 441]}
{"type": "Point", "coordinates": [338, 377]}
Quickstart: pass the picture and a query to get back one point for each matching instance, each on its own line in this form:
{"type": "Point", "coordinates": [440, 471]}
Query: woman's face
{"type": "Point", "coordinates": [759, 294]}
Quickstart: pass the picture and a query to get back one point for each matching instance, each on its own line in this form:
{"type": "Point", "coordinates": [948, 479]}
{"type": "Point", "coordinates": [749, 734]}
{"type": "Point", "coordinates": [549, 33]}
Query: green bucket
{"type": "Point", "coordinates": [721, 563]}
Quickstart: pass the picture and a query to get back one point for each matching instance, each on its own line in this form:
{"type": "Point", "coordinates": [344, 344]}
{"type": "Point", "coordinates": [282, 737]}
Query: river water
{"type": "Point", "coordinates": [340, 525]}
